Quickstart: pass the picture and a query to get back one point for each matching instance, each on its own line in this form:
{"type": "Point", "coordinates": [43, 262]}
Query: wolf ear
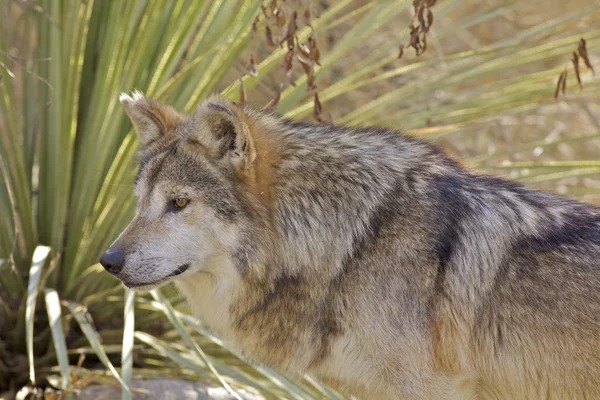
{"type": "Point", "coordinates": [221, 128]}
{"type": "Point", "coordinates": [151, 120]}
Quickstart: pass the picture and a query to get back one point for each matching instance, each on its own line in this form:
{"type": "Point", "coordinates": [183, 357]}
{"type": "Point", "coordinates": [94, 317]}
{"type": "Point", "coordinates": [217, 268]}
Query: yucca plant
{"type": "Point", "coordinates": [67, 153]}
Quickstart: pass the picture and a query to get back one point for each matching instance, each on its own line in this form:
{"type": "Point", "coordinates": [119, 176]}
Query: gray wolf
{"type": "Point", "coordinates": [363, 257]}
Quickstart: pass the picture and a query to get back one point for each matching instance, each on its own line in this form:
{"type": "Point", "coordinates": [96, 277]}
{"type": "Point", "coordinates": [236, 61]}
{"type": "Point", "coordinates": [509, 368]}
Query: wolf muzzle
{"type": "Point", "coordinates": [113, 260]}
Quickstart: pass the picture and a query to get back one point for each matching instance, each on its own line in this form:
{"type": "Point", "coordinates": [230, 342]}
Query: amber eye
{"type": "Point", "coordinates": [180, 202]}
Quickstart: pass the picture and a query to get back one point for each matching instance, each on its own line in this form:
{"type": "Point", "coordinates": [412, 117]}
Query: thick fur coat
{"type": "Point", "coordinates": [364, 257]}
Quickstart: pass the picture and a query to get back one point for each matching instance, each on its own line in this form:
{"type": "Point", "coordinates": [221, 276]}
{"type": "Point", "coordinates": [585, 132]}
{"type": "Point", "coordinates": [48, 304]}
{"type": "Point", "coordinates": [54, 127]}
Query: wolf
{"type": "Point", "coordinates": [363, 257]}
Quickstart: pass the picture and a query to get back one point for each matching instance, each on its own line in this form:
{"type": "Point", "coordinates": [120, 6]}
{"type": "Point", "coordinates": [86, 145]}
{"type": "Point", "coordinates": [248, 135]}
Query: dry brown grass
{"type": "Point", "coordinates": [567, 117]}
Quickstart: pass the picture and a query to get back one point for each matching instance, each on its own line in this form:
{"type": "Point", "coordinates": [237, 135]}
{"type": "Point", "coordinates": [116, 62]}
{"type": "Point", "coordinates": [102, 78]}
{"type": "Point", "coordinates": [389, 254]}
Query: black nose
{"type": "Point", "coordinates": [113, 260]}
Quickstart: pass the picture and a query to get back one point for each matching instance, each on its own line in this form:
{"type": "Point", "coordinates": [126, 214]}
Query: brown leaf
{"type": "Point", "coordinates": [275, 101]}
{"type": "Point", "coordinates": [328, 120]}
{"type": "Point", "coordinates": [318, 108]}
{"type": "Point", "coordinates": [273, 5]}
{"type": "Point", "coordinates": [424, 41]}
{"type": "Point", "coordinates": [309, 70]}
{"type": "Point", "coordinates": [281, 17]}
{"type": "Point", "coordinates": [307, 16]}
{"type": "Point", "coordinates": [310, 81]}
{"type": "Point", "coordinates": [288, 64]}
{"type": "Point", "coordinates": [582, 50]}
{"type": "Point", "coordinates": [253, 66]}
{"type": "Point", "coordinates": [576, 68]}
{"type": "Point", "coordinates": [418, 39]}
{"type": "Point", "coordinates": [317, 56]}
{"type": "Point", "coordinates": [420, 15]}
{"type": "Point", "coordinates": [561, 86]}
{"type": "Point", "coordinates": [304, 49]}
{"type": "Point", "coordinates": [418, 32]}
{"type": "Point", "coordinates": [414, 38]}
{"type": "Point", "coordinates": [269, 36]}
{"type": "Point", "coordinates": [242, 92]}
{"type": "Point", "coordinates": [558, 85]}
{"type": "Point", "coordinates": [288, 61]}
{"type": "Point", "coordinates": [254, 26]}
{"type": "Point", "coordinates": [306, 64]}
{"type": "Point", "coordinates": [314, 50]}
{"type": "Point", "coordinates": [307, 13]}
{"type": "Point", "coordinates": [291, 31]}
{"type": "Point", "coordinates": [429, 18]}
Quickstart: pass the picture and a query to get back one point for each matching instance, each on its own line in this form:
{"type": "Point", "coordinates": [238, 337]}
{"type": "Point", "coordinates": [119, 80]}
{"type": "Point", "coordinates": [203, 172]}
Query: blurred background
{"type": "Point", "coordinates": [505, 86]}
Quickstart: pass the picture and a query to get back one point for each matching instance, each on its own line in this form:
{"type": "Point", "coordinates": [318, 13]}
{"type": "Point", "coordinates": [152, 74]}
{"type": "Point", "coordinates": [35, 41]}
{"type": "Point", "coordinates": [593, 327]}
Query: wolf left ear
{"type": "Point", "coordinates": [222, 129]}
{"type": "Point", "coordinates": [151, 119]}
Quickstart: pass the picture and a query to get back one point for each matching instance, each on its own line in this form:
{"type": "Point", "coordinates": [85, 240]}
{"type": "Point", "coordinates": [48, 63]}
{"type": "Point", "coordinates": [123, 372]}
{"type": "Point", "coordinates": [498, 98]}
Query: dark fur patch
{"type": "Point", "coordinates": [225, 132]}
{"type": "Point", "coordinates": [382, 215]}
{"type": "Point", "coordinates": [160, 124]}
{"type": "Point", "coordinates": [155, 171]}
{"type": "Point", "coordinates": [411, 176]}
{"type": "Point", "coordinates": [581, 228]}
{"type": "Point", "coordinates": [328, 327]}
{"type": "Point", "coordinates": [216, 192]}
{"type": "Point", "coordinates": [242, 255]}
{"type": "Point", "coordinates": [149, 155]}
{"type": "Point", "coordinates": [534, 199]}
{"type": "Point", "coordinates": [284, 292]}
{"type": "Point", "coordinates": [451, 209]}
{"type": "Point", "coordinates": [220, 107]}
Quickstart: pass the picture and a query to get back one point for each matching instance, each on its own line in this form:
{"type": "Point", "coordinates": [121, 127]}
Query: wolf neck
{"type": "Point", "coordinates": [331, 185]}
{"type": "Point", "coordinates": [341, 185]}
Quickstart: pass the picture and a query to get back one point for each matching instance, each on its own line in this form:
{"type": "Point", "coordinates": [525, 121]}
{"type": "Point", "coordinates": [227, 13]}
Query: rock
{"type": "Point", "coordinates": [164, 389]}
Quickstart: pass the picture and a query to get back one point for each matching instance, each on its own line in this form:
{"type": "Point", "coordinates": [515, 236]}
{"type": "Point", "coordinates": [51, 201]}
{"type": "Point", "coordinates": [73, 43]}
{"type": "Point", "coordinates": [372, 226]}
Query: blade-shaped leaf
{"type": "Point", "coordinates": [164, 349]}
{"type": "Point", "coordinates": [35, 272]}
{"type": "Point", "coordinates": [85, 322]}
{"type": "Point", "coordinates": [170, 313]}
{"type": "Point", "coordinates": [127, 354]}
{"type": "Point", "coordinates": [58, 337]}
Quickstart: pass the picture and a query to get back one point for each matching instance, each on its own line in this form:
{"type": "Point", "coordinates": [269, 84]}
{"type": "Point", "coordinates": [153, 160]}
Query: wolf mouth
{"type": "Point", "coordinates": [180, 270]}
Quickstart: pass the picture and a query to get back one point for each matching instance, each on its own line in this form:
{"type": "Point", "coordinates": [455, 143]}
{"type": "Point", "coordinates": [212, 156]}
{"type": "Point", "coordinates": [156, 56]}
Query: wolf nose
{"type": "Point", "coordinates": [113, 260]}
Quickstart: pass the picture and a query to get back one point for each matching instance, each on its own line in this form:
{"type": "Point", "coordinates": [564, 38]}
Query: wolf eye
{"type": "Point", "coordinates": [180, 203]}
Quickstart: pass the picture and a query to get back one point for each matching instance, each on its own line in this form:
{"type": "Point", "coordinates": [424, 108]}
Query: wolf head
{"type": "Point", "coordinates": [188, 211]}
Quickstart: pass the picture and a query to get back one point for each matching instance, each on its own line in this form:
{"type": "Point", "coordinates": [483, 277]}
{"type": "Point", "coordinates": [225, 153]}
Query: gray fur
{"type": "Point", "coordinates": [372, 260]}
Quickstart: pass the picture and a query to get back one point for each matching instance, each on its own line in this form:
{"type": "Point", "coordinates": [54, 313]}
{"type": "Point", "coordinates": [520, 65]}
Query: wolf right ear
{"type": "Point", "coordinates": [151, 119]}
{"type": "Point", "coordinates": [221, 129]}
